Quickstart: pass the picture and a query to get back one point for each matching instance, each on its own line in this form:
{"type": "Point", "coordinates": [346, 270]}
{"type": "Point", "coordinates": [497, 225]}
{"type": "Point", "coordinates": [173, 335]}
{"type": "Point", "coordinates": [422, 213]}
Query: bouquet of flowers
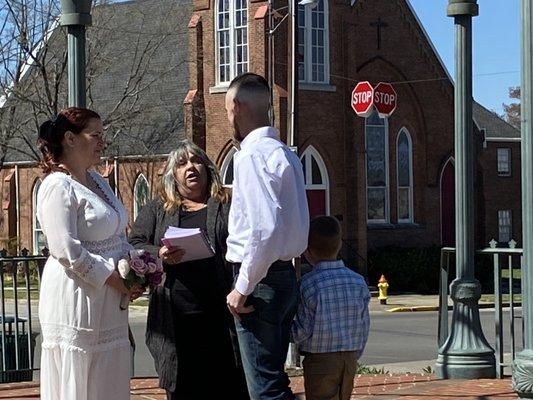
{"type": "Point", "coordinates": [142, 269]}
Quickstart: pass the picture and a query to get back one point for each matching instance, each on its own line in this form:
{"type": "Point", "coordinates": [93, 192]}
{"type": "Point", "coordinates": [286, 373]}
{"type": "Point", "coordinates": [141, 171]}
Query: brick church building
{"type": "Point", "coordinates": [390, 181]}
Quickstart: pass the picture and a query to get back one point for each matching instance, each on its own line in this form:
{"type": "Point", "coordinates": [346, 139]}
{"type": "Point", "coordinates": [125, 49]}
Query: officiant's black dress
{"type": "Point", "coordinates": [190, 332]}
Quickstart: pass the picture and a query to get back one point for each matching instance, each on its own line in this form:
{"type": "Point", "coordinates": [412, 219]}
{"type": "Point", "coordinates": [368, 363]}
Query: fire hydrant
{"type": "Point", "coordinates": [383, 286]}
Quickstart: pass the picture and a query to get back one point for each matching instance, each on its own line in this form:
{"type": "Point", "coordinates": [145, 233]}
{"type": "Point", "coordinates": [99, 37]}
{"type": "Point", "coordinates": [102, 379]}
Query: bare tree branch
{"type": "Point", "coordinates": [33, 72]}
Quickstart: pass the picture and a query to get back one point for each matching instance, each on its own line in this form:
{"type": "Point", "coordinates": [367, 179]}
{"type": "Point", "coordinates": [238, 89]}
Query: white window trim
{"type": "Point", "coordinates": [222, 85]}
{"type": "Point", "coordinates": [411, 218]}
{"type": "Point", "coordinates": [308, 44]}
{"type": "Point", "coordinates": [387, 180]}
{"type": "Point", "coordinates": [136, 207]}
{"type": "Point", "coordinates": [509, 161]}
{"type": "Point", "coordinates": [306, 158]}
{"type": "Point", "coordinates": [225, 165]}
{"type": "Point", "coordinates": [35, 231]}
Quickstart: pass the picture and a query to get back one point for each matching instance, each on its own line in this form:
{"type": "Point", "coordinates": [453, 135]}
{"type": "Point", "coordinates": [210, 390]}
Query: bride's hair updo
{"type": "Point", "coordinates": [52, 132]}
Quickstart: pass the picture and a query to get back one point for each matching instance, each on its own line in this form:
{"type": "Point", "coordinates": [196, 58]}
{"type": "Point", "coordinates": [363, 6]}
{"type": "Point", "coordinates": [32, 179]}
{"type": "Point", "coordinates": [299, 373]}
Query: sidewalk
{"type": "Point", "coordinates": [395, 303]}
{"type": "Point", "coordinates": [367, 387]}
{"type": "Point", "coordinates": [416, 302]}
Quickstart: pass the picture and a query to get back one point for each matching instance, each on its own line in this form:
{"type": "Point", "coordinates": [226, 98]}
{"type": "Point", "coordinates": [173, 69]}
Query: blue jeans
{"type": "Point", "coordinates": [264, 334]}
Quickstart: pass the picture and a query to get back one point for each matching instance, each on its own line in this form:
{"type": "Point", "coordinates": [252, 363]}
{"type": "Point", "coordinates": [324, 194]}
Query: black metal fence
{"type": "Point", "coordinates": [503, 259]}
{"type": "Point", "coordinates": [20, 277]}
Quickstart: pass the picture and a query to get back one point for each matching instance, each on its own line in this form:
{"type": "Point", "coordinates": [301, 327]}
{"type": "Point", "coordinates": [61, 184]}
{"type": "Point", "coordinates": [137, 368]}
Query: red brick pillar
{"type": "Point", "coordinates": [193, 105]}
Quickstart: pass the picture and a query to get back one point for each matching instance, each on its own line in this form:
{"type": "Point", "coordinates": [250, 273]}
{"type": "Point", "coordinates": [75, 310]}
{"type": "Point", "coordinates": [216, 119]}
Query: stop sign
{"type": "Point", "coordinates": [385, 99]}
{"type": "Point", "coordinates": [362, 99]}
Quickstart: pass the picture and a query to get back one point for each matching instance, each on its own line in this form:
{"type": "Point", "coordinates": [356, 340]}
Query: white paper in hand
{"type": "Point", "coordinates": [193, 241]}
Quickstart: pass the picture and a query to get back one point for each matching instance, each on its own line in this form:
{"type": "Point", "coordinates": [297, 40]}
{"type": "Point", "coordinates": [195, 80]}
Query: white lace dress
{"type": "Point", "coordinates": [85, 350]}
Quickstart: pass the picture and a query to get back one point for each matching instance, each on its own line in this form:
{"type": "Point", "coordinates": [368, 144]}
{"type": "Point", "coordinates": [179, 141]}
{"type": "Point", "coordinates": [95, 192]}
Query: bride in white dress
{"type": "Point", "coordinates": [85, 349]}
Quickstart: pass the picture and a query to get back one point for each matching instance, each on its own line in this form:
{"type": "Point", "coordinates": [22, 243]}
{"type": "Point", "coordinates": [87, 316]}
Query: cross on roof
{"type": "Point", "coordinates": [378, 25]}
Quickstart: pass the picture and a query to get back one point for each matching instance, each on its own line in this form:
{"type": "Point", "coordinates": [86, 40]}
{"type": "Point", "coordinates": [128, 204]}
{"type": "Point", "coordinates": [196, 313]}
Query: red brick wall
{"type": "Point", "coordinates": [501, 192]}
{"type": "Point", "coordinates": [128, 173]}
{"type": "Point", "coordinates": [327, 122]}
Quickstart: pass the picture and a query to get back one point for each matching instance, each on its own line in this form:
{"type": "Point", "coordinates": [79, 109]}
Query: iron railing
{"type": "Point", "coordinates": [20, 276]}
{"type": "Point", "coordinates": [353, 259]}
{"type": "Point", "coordinates": [502, 258]}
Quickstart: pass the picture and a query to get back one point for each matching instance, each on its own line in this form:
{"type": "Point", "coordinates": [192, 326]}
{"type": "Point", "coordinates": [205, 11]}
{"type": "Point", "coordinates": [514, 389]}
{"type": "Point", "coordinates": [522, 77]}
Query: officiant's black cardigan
{"type": "Point", "coordinates": [151, 225]}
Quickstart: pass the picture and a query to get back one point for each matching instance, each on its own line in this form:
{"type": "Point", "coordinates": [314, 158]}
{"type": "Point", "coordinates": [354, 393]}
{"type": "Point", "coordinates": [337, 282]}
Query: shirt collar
{"type": "Point", "coordinates": [330, 264]}
{"type": "Point", "coordinates": [256, 134]}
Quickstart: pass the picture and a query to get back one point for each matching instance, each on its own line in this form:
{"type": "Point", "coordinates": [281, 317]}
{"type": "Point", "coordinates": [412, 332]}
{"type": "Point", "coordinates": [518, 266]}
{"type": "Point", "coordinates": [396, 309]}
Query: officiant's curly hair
{"type": "Point", "coordinates": [168, 187]}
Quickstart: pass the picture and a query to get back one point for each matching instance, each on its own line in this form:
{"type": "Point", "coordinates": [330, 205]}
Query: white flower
{"type": "Point", "coordinates": [123, 268]}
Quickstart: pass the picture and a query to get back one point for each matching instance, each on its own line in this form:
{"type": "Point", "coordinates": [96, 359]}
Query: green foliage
{"type": "Point", "coordinates": [428, 370]}
{"type": "Point", "coordinates": [132, 279]}
{"type": "Point", "coordinates": [364, 370]}
{"type": "Point", "coordinates": [418, 269]}
{"type": "Point", "coordinates": [406, 269]}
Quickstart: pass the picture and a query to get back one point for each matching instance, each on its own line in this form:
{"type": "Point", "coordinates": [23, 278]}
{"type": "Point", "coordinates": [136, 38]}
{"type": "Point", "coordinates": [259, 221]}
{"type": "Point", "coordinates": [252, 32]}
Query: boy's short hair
{"type": "Point", "coordinates": [325, 236]}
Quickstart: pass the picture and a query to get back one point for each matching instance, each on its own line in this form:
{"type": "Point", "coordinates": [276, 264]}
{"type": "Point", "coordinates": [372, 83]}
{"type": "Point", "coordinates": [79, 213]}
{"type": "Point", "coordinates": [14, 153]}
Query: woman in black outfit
{"type": "Point", "coordinates": [190, 332]}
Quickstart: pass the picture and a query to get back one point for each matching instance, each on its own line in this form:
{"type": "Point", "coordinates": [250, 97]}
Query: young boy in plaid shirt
{"type": "Point", "coordinates": [332, 322]}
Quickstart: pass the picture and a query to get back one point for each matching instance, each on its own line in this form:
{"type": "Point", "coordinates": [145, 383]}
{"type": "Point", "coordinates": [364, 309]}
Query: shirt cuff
{"type": "Point", "coordinates": [243, 286]}
{"type": "Point", "coordinates": [95, 269]}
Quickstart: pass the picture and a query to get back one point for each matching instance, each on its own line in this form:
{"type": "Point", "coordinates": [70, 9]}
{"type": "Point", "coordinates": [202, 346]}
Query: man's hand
{"type": "Point", "coordinates": [235, 302]}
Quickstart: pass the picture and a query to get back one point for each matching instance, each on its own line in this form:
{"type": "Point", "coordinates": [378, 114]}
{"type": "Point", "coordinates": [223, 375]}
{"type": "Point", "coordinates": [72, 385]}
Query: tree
{"type": "Point", "coordinates": [126, 60]}
{"type": "Point", "coordinates": [512, 110]}
{"type": "Point", "coordinates": [25, 77]}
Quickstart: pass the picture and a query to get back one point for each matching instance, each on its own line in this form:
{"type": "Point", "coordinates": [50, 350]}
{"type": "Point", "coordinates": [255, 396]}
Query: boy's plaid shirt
{"type": "Point", "coordinates": [332, 311]}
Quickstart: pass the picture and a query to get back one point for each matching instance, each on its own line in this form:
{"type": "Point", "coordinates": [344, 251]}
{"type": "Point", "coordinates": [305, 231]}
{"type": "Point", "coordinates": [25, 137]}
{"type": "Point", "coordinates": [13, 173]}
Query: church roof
{"type": "Point", "coordinates": [494, 125]}
{"type": "Point", "coordinates": [137, 77]}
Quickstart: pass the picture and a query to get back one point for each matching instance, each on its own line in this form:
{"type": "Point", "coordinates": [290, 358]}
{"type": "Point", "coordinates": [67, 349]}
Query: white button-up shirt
{"type": "Point", "coordinates": [269, 217]}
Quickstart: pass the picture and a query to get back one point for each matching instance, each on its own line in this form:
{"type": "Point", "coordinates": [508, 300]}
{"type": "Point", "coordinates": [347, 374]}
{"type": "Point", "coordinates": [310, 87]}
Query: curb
{"type": "Point", "coordinates": [413, 309]}
{"type": "Point", "coordinates": [18, 386]}
{"type": "Point", "coordinates": [436, 308]}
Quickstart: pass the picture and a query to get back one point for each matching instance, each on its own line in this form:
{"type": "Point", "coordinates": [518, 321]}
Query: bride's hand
{"type": "Point", "coordinates": [136, 291]}
{"type": "Point", "coordinates": [117, 283]}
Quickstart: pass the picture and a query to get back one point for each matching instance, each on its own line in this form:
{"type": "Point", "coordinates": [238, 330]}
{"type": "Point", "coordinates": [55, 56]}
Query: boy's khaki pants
{"type": "Point", "coordinates": [329, 376]}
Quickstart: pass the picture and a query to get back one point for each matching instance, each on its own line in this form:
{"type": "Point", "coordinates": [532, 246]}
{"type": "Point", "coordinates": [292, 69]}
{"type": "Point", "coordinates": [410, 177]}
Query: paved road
{"type": "Point", "coordinates": [394, 338]}
{"type": "Point", "coordinates": [404, 337]}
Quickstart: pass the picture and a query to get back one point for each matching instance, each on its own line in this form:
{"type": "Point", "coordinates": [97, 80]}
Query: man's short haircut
{"type": "Point", "coordinates": [253, 90]}
{"type": "Point", "coordinates": [249, 82]}
{"type": "Point", "coordinates": [325, 236]}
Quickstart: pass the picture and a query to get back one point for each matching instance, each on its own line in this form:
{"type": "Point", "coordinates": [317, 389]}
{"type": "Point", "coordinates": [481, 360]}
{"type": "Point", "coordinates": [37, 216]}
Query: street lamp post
{"type": "Point", "coordinates": [293, 13]}
{"type": "Point", "coordinates": [465, 354]}
{"type": "Point", "coordinates": [523, 363]}
{"type": "Point", "coordinates": [293, 359]}
{"type": "Point", "coordinates": [76, 15]}
{"type": "Point", "coordinates": [293, 129]}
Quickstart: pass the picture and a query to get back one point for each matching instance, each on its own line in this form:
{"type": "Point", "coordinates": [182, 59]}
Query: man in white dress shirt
{"type": "Point", "coordinates": [268, 227]}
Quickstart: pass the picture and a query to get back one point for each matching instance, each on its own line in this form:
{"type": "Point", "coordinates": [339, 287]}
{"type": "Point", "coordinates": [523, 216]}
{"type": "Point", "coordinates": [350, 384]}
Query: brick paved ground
{"type": "Point", "coordinates": [367, 387]}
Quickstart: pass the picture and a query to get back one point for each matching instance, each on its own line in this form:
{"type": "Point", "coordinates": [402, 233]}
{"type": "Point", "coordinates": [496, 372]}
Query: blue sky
{"type": "Point", "coordinates": [496, 45]}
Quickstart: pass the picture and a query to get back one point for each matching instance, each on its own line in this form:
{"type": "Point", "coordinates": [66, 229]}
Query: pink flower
{"type": "Point", "coordinates": [139, 267]}
{"type": "Point", "coordinates": [152, 267]}
{"type": "Point", "coordinates": [156, 279]}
